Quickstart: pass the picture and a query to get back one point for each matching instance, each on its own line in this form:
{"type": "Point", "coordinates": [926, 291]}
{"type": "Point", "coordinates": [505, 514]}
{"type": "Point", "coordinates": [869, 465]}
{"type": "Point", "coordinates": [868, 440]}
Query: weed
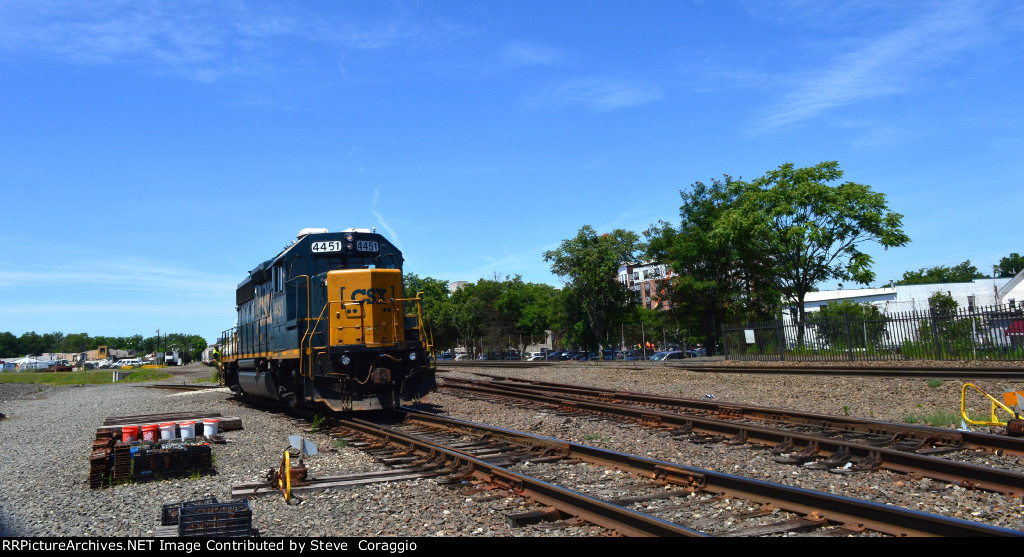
{"type": "Point", "coordinates": [846, 410]}
{"type": "Point", "coordinates": [318, 421]}
{"type": "Point", "coordinates": [938, 418]}
{"type": "Point", "coordinates": [935, 383]}
{"type": "Point", "coordinates": [341, 443]}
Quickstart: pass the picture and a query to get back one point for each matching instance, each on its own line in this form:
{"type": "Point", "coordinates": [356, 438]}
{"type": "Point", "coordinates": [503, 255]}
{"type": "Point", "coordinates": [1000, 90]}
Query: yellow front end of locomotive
{"type": "Point", "coordinates": [365, 306]}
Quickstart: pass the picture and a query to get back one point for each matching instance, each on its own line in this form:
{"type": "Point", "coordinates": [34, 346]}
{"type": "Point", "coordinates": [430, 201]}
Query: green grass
{"type": "Point", "coordinates": [939, 418]}
{"type": "Point", "coordinates": [934, 383]}
{"type": "Point", "coordinates": [80, 377]}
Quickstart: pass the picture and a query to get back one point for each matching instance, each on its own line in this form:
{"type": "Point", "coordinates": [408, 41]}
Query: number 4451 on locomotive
{"type": "Point", "coordinates": [326, 324]}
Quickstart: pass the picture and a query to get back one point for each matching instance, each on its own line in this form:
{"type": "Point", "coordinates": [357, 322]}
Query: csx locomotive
{"type": "Point", "coordinates": [325, 325]}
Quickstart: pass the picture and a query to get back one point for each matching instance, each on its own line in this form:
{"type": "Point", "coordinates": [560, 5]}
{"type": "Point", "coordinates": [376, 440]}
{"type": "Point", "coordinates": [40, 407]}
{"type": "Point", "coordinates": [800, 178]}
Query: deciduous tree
{"type": "Point", "coordinates": [964, 272]}
{"type": "Point", "coordinates": [813, 230]}
{"type": "Point", "coordinates": [589, 265]}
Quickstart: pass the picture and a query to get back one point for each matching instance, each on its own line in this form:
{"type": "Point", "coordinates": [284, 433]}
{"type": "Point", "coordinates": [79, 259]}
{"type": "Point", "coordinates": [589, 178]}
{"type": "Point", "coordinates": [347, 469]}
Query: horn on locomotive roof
{"type": "Point", "coordinates": [306, 231]}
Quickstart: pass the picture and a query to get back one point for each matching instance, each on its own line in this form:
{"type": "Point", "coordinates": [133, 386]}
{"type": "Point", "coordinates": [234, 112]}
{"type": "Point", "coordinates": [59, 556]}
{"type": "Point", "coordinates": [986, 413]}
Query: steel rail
{"type": "Point", "coordinates": [854, 513]}
{"type": "Point", "coordinates": [963, 474]}
{"type": "Point", "coordinates": [961, 439]}
{"type": "Point", "coordinates": [788, 368]}
{"type": "Point", "coordinates": [620, 519]}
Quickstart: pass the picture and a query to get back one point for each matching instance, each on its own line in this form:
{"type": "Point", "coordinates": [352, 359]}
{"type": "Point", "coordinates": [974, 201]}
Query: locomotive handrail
{"type": "Point", "coordinates": [309, 335]}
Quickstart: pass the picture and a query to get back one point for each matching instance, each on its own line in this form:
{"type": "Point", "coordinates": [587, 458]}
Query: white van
{"type": "Point", "coordinates": [130, 362]}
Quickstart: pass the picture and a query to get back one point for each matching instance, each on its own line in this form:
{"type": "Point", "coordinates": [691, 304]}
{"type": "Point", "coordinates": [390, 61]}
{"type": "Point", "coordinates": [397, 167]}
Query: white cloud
{"type": "Point", "coordinates": [601, 94]}
{"type": "Point", "coordinates": [380, 219]}
{"type": "Point", "coordinates": [528, 54]}
{"type": "Point", "coordinates": [893, 64]}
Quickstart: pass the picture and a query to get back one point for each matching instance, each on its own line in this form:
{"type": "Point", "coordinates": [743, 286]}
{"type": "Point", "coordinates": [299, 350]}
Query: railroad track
{"type": "Point", "coordinates": [920, 371]}
{"type": "Point", "coordinates": [843, 445]}
{"type": "Point", "coordinates": [570, 483]}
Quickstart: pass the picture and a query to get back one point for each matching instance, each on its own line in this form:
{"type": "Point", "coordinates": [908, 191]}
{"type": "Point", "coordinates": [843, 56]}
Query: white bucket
{"type": "Point", "coordinates": [188, 429]}
{"type": "Point", "coordinates": [167, 430]}
{"type": "Point", "coordinates": [210, 427]}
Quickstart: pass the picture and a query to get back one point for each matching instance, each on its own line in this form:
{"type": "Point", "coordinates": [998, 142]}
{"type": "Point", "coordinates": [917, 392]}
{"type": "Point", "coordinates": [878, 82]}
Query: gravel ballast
{"type": "Point", "coordinates": [48, 434]}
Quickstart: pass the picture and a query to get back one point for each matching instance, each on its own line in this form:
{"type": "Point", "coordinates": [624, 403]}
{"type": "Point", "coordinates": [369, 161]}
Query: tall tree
{"type": "Point", "coordinates": [528, 308]}
{"type": "Point", "coordinates": [813, 230]}
{"type": "Point", "coordinates": [1010, 265]}
{"type": "Point", "coordinates": [589, 263]}
{"type": "Point", "coordinates": [436, 305]}
{"type": "Point", "coordinates": [964, 272]}
{"type": "Point", "coordinates": [716, 270]}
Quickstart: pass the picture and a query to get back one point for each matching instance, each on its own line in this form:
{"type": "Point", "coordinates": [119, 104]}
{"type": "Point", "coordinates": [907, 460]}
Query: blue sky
{"type": "Point", "coordinates": [151, 153]}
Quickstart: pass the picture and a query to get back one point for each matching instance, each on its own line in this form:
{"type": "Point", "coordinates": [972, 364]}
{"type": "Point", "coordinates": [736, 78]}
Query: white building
{"type": "Point", "coordinates": [996, 299]}
{"type": "Point", "coordinates": [914, 297]}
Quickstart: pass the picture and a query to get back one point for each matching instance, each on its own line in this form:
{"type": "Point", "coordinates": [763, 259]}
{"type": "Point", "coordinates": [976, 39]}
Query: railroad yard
{"type": "Point", "coordinates": [798, 464]}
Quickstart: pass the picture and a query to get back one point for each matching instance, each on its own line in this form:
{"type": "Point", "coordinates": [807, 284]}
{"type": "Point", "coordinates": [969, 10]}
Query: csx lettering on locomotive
{"type": "Point", "coordinates": [301, 340]}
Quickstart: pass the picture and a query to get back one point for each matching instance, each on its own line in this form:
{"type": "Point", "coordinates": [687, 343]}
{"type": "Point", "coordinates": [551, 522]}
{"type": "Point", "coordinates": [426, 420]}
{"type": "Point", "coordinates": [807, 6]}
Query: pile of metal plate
{"type": "Point", "coordinates": [122, 461]}
{"type": "Point", "coordinates": [99, 460]}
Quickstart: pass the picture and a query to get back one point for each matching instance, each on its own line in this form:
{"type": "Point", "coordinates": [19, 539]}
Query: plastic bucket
{"type": "Point", "coordinates": [149, 432]}
{"type": "Point", "coordinates": [188, 429]}
{"type": "Point", "coordinates": [210, 427]}
{"type": "Point", "coordinates": [130, 433]}
{"type": "Point", "coordinates": [168, 430]}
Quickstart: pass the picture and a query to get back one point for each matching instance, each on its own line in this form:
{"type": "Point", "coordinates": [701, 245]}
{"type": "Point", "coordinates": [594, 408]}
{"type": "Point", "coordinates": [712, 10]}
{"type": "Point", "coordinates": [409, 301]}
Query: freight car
{"type": "Point", "coordinates": [325, 325]}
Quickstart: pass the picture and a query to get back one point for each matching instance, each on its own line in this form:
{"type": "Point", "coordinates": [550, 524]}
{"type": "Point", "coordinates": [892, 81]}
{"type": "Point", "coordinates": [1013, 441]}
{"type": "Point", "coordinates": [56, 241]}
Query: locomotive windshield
{"type": "Point", "coordinates": [331, 263]}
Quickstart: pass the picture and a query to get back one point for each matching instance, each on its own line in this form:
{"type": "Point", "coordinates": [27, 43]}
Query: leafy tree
{"type": "Point", "coordinates": [834, 323]}
{"type": "Point", "coordinates": [9, 345]}
{"type": "Point", "coordinates": [944, 333]}
{"type": "Point", "coordinates": [964, 272]}
{"type": "Point", "coordinates": [436, 308]}
{"type": "Point", "coordinates": [1010, 265]}
{"type": "Point", "coordinates": [812, 231]}
{"type": "Point", "coordinates": [32, 343]}
{"type": "Point", "coordinates": [717, 271]}
{"type": "Point", "coordinates": [589, 264]}
{"type": "Point", "coordinates": [528, 309]}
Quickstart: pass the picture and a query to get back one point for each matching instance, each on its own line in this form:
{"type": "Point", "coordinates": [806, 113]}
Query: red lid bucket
{"type": "Point", "coordinates": [188, 429]}
{"type": "Point", "coordinates": [130, 433]}
{"type": "Point", "coordinates": [210, 427]}
{"type": "Point", "coordinates": [168, 430]}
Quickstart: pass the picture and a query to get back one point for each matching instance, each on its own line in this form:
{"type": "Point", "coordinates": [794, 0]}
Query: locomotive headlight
{"type": "Point", "coordinates": [345, 360]}
{"type": "Point", "coordinates": [412, 356]}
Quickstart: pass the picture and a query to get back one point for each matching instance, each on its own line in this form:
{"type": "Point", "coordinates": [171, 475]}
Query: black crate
{"type": "Point", "coordinates": [216, 519]}
{"type": "Point", "coordinates": [169, 515]}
